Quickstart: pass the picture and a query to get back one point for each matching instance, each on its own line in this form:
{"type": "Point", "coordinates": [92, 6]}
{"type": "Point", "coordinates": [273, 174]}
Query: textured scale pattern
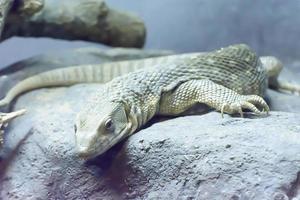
{"type": "Point", "coordinates": [101, 73]}
{"type": "Point", "coordinates": [229, 80]}
{"type": "Point", "coordinates": [236, 69]}
{"type": "Point", "coordinates": [207, 92]}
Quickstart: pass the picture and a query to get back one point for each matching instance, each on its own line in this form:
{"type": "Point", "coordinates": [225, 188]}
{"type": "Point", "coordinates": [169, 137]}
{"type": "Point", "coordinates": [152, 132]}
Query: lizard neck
{"type": "Point", "coordinates": [138, 116]}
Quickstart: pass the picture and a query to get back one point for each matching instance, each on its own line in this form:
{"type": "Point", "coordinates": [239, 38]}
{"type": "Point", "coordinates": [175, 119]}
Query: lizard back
{"type": "Point", "coordinates": [236, 67]}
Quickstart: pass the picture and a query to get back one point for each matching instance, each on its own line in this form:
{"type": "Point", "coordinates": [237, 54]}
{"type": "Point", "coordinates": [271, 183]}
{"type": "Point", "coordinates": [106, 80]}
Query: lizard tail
{"type": "Point", "coordinates": [46, 79]}
{"type": "Point", "coordinates": [58, 77]}
{"type": "Point", "coordinates": [99, 73]}
{"type": "Point", "coordinates": [288, 87]}
{"type": "Point", "coordinates": [4, 102]}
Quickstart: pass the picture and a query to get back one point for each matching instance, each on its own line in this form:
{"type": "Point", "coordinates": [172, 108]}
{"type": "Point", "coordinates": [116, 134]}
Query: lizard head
{"type": "Point", "coordinates": [99, 127]}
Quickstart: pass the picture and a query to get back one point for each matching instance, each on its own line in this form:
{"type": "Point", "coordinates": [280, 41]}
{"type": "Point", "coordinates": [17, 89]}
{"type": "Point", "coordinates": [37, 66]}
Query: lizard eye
{"type": "Point", "coordinates": [109, 125]}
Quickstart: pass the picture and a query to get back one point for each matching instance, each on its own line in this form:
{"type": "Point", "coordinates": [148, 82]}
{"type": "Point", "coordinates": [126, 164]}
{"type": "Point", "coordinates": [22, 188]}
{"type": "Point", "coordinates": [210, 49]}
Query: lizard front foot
{"type": "Point", "coordinates": [254, 103]}
{"type": "Point", "coordinates": [7, 117]}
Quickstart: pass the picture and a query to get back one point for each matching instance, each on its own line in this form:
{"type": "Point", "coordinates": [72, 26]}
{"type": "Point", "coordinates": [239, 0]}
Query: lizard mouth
{"type": "Point", "coordinates": [86, 154]}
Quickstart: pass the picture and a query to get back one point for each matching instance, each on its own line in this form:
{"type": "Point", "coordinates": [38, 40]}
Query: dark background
{"type": "Point", "coordinates": [270, 27]}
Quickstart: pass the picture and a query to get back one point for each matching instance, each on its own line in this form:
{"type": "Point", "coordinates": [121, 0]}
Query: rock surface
{"type": "Point", "coordinates": [192, 157]}
{"type": "Point", "coordinates": [204, 156]}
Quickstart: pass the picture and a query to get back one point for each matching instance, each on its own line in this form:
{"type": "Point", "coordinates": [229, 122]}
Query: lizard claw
{"type": "Point", "coordinates": [250, 102]}
{"type": "Point", "coordinates": [7, 117]}
{"type": "Point", "coordinates": [257, 100]}
{"type": "Point", "coordinates": [233, 107]}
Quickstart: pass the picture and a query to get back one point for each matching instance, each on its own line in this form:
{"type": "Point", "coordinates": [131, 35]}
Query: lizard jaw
{"type": "Point", "coordinates": [87, 153]}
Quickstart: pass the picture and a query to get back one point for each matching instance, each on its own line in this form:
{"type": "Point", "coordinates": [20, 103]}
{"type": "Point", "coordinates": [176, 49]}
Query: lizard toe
{"type": "Point", "coordinates": [254, 103]}
{"type": "Point", "coordinates": [232, 108]}
{"type": "Point", "coordinates": [258, 102]}
{"type": "Point", "coordinates": [5, 118]}
{"type": "Point", "coordinates": [251, 107]}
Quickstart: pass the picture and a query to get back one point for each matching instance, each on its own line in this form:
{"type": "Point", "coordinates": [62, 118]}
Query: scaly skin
{"type": "Point", "coordinates": [228, 80]}
{"type": "Point", "coordinates": [101, 73]}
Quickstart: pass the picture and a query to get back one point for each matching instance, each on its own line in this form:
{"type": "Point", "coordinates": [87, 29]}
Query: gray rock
{"type": "Point", "coordinates": [203, 157]}
{"type": "Point", "coordinates": [283, 102]}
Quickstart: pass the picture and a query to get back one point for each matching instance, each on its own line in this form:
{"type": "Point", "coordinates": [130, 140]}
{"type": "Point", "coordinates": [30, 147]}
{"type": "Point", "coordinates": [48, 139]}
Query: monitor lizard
{"type": "Point", "coordinates": [229, 80]}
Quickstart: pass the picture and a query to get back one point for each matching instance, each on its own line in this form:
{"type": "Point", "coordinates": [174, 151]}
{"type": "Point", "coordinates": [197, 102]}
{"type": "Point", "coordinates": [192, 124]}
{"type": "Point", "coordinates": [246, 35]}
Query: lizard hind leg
{"type": "Point", "coordinates": [5, 118]}
{"type": "Point", "coordinates": [212, 94]}
{"type": "Point", "coordinates": [249, 102]}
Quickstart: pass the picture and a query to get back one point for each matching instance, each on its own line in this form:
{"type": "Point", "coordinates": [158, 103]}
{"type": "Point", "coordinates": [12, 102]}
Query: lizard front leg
{"type": "Point", "coordinates": [214, 95]}
{"type": "Point", "coordinates": [5, 118]}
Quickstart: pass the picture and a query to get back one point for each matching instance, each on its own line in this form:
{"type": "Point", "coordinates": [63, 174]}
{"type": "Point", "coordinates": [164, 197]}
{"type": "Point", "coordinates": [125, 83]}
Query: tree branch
{"type": "Point", "coordinates": [27, 8]}
{"type": "Point", "coordinates": [5, 6]}
{"type": "Point", "coordinates": [89, 20]}
{"type": "Point", "coordinates": [21, 7]}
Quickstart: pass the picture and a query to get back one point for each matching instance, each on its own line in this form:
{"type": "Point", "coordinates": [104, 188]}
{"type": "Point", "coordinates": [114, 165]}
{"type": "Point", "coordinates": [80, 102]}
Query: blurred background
{"type": "Point", "coordinates": [271, 27]}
